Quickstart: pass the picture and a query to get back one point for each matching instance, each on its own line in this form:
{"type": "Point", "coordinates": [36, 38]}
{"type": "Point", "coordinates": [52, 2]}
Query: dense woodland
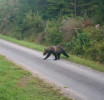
{"type": "Point", "coordinates": [77, 25]}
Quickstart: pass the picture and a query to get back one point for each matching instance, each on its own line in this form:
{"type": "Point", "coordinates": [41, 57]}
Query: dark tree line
{"type": "Point", "coordinates": [53, 8]}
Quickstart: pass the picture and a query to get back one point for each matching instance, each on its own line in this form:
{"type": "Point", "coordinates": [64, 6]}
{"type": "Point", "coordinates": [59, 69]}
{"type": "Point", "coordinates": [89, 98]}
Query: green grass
{"type": "Point", "coordinates": [88, 63]}
{"type": "Point", "coordinates": [19, 84]}
{"type": "Point", "coordinates": [24, 43]}
{"type": "Point", "coordinates": [72, 58]}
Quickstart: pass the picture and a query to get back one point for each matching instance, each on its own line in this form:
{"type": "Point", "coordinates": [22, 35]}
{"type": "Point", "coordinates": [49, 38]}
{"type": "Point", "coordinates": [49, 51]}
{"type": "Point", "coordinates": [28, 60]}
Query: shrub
{"type": "Point", "coordinates": [89, 43]}
{"type": "Point", "coordinates": [32, 22]}
{"type": "Point", "coordinates": [96, 50]}
{"type": "Point", "coordinates": [80, 43]}
{"type": "Point", "coordinates": [69, 27]}
{"type": "Point", "coordinates": [53, 35]}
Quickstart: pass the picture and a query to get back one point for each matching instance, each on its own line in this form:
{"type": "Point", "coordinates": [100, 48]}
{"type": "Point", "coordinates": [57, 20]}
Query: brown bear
{"type": "Point", "coordinates": [56, 51]}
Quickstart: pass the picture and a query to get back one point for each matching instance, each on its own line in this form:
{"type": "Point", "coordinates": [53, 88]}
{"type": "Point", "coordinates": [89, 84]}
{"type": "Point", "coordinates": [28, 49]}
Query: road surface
{"type": "Point", "coordinates": [83, 82]}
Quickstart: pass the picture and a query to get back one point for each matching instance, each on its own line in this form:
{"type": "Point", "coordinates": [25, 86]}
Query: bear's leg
{"type": "Point", "coordinates": [58, 56]}
{"type": "Point", "coordinates": [65, 54]}
{"type": "Point", "coordinates": [47, 56]}
{"type": "Point", "coordinates": [55, 56]}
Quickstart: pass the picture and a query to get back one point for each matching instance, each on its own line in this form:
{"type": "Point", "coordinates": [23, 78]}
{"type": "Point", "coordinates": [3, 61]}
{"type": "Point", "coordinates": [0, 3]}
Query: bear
{"type": "Point", "coordinates": [56, 51]}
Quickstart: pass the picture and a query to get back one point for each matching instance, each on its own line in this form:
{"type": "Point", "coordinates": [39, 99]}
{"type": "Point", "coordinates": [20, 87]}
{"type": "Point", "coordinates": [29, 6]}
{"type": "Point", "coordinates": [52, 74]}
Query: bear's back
{"type": "Point", "coordinates": [58, 49]}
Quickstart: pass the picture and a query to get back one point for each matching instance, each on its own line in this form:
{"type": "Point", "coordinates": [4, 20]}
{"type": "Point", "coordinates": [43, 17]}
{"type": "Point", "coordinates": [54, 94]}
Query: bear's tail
{"type": "Point", "coordinates": [65, 54]}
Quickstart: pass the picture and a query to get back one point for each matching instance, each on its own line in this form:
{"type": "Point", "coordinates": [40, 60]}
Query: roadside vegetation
{"type": "Point", "coordinates": [72, 58]}
{"type": "Point", "coordinates": [18, 84]}
{"type": "Point", "coordinates": [77, 25]}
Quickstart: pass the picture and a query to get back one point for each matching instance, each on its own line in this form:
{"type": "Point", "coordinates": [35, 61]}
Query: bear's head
{"type": "Point", "coordinates": [45, 51]}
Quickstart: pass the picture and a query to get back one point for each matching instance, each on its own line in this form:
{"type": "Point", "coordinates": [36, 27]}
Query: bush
{"type": "Point", "coordinates": [80, 43]}
{"type": "Point", "coordinates": [33, 24]}
{"type": "Point", "coordinates": [89, 43]}
{"type": "Point", "coordinates": [96, 51]}
{"type": "Point", "coordinates": [16, 35]}
{"type": "Point", "coordinates": [69, 27]}
{"type": "Point", "coordinates": [53, 35]}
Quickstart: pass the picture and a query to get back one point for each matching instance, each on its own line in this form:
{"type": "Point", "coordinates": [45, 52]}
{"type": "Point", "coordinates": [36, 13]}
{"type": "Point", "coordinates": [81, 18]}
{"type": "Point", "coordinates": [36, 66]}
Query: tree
{"type": "Point", "coordinates": [75, 6]}
{"type": "Point", "coordinates": [59, 7]}
{"type": "Point", "coordinates": [87, 7]}
{"type": "Point", "coordinates": [99, 14]}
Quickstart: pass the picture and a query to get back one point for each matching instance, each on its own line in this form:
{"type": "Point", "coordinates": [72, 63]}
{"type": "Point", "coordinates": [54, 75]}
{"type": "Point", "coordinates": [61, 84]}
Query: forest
{"type": "Point", "coordinates": [77, 25]}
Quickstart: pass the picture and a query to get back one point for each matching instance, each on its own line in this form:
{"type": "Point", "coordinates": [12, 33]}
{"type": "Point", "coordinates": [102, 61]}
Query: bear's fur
{"type": "Point", "coordinates": [56, 51]}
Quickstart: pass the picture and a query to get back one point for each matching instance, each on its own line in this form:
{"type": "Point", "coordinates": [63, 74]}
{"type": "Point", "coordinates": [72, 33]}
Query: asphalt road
{"type": "Point", "coordinates": [80, 80]}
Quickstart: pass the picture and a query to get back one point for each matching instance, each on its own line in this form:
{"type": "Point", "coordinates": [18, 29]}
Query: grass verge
{"type": "Point", "coordinates": [19, 84]}
{"type": "Point", "coordinates": [94, 65]}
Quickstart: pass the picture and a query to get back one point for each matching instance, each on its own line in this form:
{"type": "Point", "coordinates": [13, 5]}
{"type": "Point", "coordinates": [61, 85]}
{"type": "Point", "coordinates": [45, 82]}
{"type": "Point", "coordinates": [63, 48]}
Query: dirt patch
{"type": "Point", "coordinates": [22, 82]}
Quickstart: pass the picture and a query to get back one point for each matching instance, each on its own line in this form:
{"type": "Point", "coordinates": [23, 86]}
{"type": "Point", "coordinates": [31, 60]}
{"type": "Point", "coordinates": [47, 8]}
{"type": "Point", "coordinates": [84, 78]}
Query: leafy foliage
{"type": "Point", "coordinates": [52, 33]}
{"type": "Point", "coordinates": [80, 43]}
{"type": "Point", "coordinates": [99, 15]}
{"type": "Point", "coordinates": [59, 7]}
{"type": "Point", "coordinates": [89, 44]}
{"type": "Point", "coordinates": [32, 22]}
